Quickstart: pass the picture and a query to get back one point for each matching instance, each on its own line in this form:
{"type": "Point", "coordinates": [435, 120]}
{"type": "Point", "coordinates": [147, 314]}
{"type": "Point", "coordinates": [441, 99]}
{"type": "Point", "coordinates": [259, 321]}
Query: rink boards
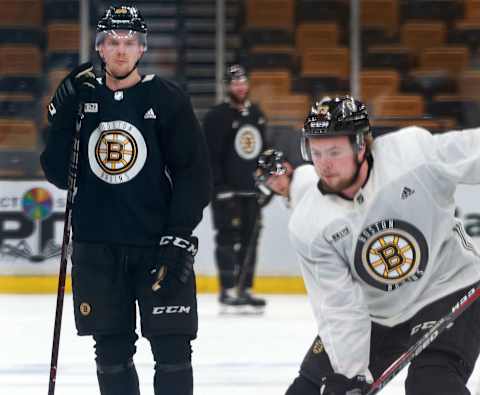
{"type": "Point", "coordinates": [31, 229]}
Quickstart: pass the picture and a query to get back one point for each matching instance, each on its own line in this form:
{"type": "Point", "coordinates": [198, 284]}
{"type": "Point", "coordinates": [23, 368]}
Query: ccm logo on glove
{"type": "Point", "coordinates": [179, 242]}
{"type": "Point", "coordinates": [173, 264]}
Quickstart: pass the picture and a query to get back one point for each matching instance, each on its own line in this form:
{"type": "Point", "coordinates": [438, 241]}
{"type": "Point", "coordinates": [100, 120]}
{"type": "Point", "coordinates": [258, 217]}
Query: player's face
{"type": "Point", "coordinates": [281, 183]}
{"type": "Point", "coordinates": [334, 161]}
{"type": "Point", "coordinates": [239, 90]}
{"type": "Point", "coordinates": [120, 51]}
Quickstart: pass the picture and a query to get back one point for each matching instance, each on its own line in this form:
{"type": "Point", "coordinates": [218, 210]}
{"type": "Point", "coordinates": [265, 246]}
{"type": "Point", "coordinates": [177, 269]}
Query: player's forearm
{"type": "Point", "coordinates": [192, 191]}
{"type": "Point", "coordinates": [55, 158]}
{"type": "Point", "coordinates": [342, 315]}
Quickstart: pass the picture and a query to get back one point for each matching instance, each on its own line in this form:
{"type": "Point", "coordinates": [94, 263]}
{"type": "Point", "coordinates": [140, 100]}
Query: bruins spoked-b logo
{"type": "Point", "coordinates": [248, 142]}
{"type": "Point", "coordinates": [116, 151]}
{"type": "Point", "coordinates": [389, 253]}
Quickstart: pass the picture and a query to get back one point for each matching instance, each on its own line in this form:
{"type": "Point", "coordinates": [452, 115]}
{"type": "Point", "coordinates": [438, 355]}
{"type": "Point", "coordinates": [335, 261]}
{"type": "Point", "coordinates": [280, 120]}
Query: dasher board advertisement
{"type": "Point", "coordinates": [31, 227]}
{"type": "Point", "coordinates": [31, 231]}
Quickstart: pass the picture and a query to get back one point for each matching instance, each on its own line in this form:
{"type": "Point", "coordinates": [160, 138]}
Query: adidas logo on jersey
{"type": "Point", "coordinates": [406, 192]}
{"type": "Point", "coordinates": [150, 114]}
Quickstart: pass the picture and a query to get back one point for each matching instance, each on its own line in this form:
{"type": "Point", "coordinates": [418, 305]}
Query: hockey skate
{"type": "Point", "coordinates": [242, 303]}
{"type": "Point", "coordinates": [255, 304]}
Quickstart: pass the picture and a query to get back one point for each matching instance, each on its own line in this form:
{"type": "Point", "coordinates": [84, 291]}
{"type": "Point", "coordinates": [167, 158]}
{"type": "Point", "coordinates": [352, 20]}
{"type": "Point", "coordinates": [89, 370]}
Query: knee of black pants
{"type": "Point", "coordinates": [439, 373]}
{"type": "Point", "coordinates": [302, 386]}
{"type": "Point", "coordinates": [173, 367]}
{"type": "Point", "coordinates": [171, 349]}
{"type": "Point", "coordinates": [228, 237]}
{"type": "Point", "coordinates": [115, 349]}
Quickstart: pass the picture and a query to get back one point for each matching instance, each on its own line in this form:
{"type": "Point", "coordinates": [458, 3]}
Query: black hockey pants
{"type": "Point", "coordinates": [234, 220]}
{"type": "Point", "coordinates": [443, 368]}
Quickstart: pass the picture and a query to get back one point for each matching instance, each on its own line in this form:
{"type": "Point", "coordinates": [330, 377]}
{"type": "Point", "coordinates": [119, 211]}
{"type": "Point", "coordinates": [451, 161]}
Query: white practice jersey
{"type": "Point", "coordinates": [393, 249]}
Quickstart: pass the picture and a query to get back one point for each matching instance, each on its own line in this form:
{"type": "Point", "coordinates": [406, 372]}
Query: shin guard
{"type": "Point", "coordinates": [173, 367]}
{"type": "Point", "coordinates": [173, 379]}
{"type": "Point", "coordinates": [118, 379]}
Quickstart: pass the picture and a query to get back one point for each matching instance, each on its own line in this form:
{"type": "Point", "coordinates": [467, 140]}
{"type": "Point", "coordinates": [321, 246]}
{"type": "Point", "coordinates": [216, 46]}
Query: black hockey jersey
{"type": "Point", "coordinates": [143, 168]}
{"type": "Point", "coordinates": [235, 139]}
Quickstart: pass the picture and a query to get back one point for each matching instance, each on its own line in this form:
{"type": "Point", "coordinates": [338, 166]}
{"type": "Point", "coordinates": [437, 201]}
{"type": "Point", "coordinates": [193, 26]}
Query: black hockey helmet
{"type": "Point", "coordinates": [235, 72]}
{"type": "Point", "coordinates": [342, 116]}
{"type": "Point", "coordinates": [123, 17]}
{"type": "Point", "coordinates": [270, 162]}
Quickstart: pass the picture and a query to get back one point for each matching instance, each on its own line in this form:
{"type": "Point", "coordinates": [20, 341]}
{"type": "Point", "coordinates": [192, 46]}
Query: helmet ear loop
{"type": "Point", "coordinates": [305, 149]}
{"type": "Point", "coordinates": [358, 146]}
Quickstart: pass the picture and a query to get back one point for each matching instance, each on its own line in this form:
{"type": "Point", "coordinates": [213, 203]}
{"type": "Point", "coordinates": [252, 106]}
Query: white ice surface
{"type": "Point", "coordinates": [242, 355]}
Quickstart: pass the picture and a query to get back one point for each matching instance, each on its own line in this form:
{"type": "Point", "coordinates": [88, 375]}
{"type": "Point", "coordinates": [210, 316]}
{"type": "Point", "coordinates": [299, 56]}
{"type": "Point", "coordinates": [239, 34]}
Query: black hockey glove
{"type": "Point", "coordinates": [338, 384]}
{"type": "Point", "coordinates": [174, 263]}
{"type": "Point", "coordinates": [263, 198]}
{"type": "Point", "coordinates": [76, 87]}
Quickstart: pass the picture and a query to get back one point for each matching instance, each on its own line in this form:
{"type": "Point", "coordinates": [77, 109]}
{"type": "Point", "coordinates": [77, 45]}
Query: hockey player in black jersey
{"type": "Point", "coordinates": [143, 183]}
{"type": "Point", "coordinates": [235, 131]}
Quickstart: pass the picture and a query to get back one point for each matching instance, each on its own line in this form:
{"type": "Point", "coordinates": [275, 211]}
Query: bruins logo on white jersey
{"type": "Point", "coordinates": [389, 253]}
{"type": "Point", "coordinates": [116, 152]}
{"type": "Point", "coordinates": [248, 142]}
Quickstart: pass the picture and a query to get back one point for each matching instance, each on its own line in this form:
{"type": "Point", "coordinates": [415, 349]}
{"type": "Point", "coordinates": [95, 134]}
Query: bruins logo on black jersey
{"type": "Point", "coordinates": [248, 142]}
{"type": "Point", "coordinates": [389, 253]}
{"type": "Point", "coordinates": [116, 152]}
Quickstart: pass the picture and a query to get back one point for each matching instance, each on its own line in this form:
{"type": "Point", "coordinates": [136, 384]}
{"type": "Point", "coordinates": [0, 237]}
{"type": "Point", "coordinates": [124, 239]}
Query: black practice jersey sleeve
{"type": "Point", "coordinates": [186, 157]}
{"type": "Point", "coordinates": [143, 165]}
{"type": "Point", "coordinates": [216, 124]}
{"type": "Point", "coordinates": [55, 158]}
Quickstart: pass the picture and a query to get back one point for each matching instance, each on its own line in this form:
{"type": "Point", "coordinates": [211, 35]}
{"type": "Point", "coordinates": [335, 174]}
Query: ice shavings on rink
{"type": "Point", "coordinates": [234, 355]}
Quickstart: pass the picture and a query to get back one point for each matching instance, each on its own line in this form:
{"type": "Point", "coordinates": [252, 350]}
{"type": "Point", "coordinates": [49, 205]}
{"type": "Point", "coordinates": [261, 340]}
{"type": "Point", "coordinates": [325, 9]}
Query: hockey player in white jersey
{"type": "Point", "coordinates": [275, 174]}
{"type": "Point", "coordinates": [382, 255]}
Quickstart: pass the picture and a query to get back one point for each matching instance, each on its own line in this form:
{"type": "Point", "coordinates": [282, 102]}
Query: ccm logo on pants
{"type": "Point", "coordinates": [170, 310]}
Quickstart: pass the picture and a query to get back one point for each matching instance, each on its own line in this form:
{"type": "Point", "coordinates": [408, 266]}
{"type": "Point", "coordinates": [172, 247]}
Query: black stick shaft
{"type": "Point", "coordinates": [72, 180]}
{"type": "Point", "coordinates": [444, 323]}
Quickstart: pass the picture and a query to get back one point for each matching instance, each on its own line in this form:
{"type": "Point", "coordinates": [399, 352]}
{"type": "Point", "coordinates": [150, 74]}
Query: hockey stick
{"type": "Point", "coordinates": [441, 325]}
{"type": "Point", "coordinates": [71, 191]}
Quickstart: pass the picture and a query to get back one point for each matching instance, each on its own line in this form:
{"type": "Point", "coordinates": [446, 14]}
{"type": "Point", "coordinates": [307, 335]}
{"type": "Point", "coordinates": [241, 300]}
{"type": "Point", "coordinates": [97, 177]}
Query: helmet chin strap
{"type": "Point", "coordinates": [357, 170]}
{"type": "Point", "coordinates": [359, 163]}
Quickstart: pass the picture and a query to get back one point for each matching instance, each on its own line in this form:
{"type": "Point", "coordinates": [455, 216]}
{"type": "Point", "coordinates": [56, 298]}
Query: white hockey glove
{"type": "Point", "coordinates": [173, 265]}
{"type": "Point", "coordinates": [338, 384]}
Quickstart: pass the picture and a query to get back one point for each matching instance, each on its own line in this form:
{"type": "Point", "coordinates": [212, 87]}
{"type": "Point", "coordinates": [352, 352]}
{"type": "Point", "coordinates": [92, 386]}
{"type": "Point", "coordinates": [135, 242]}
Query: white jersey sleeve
{"type": "Point", "coordinates": [339, 306]}
{"type": "Point", "coordinates": [455, 154]}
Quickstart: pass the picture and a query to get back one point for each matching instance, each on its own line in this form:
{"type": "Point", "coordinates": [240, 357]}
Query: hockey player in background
{"type": "Point", "coordinates": [143, 183]}
{"type": "Point", "coordinates": [276, 174]}
{"type": "Point", "coordinates": [382, 255]}
{"type": "Point", "coordinates": [235, 131]}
